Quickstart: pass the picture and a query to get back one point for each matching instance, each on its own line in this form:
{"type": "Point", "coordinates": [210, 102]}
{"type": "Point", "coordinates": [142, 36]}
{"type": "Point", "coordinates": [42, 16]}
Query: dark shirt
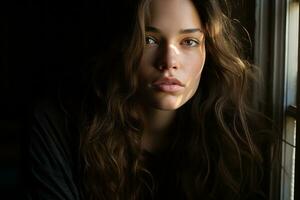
{"type": "Point", "coordinates": [51, 169]}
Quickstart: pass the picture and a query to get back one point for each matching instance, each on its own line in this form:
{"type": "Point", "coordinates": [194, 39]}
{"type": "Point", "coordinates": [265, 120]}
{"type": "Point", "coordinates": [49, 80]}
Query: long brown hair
{"type": "Point", "coordinates": [216, 151]}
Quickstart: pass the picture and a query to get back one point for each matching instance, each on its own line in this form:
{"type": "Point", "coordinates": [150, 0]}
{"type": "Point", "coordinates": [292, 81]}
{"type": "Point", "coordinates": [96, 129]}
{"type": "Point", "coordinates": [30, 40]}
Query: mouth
{"type": "Point", "coordinates": [167, 84]}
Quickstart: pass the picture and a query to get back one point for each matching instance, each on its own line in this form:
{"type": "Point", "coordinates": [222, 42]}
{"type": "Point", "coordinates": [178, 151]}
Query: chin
{"type": "Point", "coordinates": [167, 105]}
{"type": "Point", "coordinates": [166, 108]}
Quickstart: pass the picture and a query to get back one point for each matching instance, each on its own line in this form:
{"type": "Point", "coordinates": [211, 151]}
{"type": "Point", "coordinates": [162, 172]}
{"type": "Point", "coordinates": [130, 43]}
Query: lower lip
{"type": "Point", "coordinates": [168, 87]}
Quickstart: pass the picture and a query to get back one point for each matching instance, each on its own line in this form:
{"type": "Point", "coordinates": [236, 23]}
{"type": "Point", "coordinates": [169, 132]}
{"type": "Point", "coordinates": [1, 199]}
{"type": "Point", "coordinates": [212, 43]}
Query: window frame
{"type": "Point", "coordinates": [270, 56]}
{"type": "Point", "coordinates": [297, 164]}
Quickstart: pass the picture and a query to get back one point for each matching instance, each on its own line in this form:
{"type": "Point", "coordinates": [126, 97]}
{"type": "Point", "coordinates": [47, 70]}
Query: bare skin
{"type": "Point", "coordinates": [171, 66]}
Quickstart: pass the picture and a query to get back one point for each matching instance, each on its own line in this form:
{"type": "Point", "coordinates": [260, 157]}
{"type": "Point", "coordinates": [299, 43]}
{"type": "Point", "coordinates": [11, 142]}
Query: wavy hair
{"type": "Point", "coordinates": [215, 152]}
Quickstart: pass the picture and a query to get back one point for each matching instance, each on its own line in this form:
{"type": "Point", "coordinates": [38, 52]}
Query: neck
{"type": "Point", "coordinates": [158, 123]}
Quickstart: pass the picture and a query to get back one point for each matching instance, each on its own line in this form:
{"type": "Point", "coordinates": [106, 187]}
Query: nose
{"type": "Point", "coordinates": [168, 57]}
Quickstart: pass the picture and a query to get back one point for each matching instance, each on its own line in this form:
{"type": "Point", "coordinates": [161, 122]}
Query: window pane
{"type": "Point", "coordinates": [292, 51]}
{"type": "Point", "coordinates": [289, 132]}
{"type": "Point", "coordinates": [288, 160]}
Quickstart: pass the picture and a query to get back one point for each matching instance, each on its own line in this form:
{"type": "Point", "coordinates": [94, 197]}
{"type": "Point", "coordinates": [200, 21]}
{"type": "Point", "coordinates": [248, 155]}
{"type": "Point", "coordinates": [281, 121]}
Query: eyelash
{"type": "Point", "coordinates": [149, 40]}
{"type": "Point", "coordinates": [196, 42]}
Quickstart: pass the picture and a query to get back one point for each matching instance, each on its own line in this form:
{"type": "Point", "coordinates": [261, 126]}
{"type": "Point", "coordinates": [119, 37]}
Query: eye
{"type": "Point", "coordinates": [190, 42]}
{"type": "Point", "coordinates": [150, 40]}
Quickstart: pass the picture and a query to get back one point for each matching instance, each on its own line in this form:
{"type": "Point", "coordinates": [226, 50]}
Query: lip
{"type": "Point", "coordinates": [167, 84]}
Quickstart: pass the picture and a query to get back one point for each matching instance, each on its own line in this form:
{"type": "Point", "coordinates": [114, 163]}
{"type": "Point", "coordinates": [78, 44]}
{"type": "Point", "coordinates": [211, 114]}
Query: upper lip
{"type": "Point", "coordinates": [168, 81]}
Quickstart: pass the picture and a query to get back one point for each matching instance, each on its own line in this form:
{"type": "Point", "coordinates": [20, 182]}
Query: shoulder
{"type": "Point", "coordinates": [47, 116]}
{"type": "Point", "coordinates": [49, 119]}
{"type": "Point", "coordinates": [52, 133]}
{"type": "Point", "coordinates": [50, 168]}
{"type": "Point", "coordinates": [50, 162]}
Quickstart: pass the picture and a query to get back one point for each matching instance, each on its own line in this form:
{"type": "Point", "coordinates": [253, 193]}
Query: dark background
{"type": "Point", "coordinates": [45, 45]}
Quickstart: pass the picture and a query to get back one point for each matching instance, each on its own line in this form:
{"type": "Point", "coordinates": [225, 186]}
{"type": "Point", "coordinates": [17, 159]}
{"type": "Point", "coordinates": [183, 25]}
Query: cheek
{"type": "Point", "coordinates": [196, 62]}
{"type": "Point", "coordinates": [148, 58]}
{"type": "Point", "coordinates": [194, 74]}
{"type": "Point", "coordinates": [145, 66]}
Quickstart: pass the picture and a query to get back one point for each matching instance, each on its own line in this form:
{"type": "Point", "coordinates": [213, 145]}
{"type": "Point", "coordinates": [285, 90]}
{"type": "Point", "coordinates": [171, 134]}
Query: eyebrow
{"type": "Point", "coordinates": [183, 31]}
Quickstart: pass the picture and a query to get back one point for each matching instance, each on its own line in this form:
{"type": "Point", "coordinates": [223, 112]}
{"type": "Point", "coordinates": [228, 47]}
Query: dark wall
{"type": "Point", "coordinates": [45, 44]}
{"type": "Point", "coordinates": [244, 12]}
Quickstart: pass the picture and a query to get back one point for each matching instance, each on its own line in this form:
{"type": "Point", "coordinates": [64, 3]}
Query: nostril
{"type": "Point", "coordinates": [160, 67]}
{"type": "Point", "coordinates": [163, 67]}
{"type": "Point", "coordinates": [167, 57]}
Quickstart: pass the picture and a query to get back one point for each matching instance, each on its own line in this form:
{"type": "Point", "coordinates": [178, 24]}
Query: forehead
{"type": "Point", "coordinates": [181, 13]}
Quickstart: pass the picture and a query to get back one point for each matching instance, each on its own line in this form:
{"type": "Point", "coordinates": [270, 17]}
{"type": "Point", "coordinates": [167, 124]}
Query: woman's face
{"type": "Point", "coordinates": [174, 54]}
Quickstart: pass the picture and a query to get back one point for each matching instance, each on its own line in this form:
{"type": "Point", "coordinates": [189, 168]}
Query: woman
{"type": "Point", "coordinates": [167, 117]}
